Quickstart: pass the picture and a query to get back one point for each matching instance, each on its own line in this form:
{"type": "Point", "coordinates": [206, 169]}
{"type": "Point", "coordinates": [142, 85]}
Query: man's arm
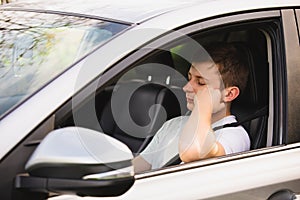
{"type": "Point", "coordinates": [140, 164]}
{"type": "Point", "coordinates": [197, 139]}
{"type": "Point", "coordinates": [153, 152]}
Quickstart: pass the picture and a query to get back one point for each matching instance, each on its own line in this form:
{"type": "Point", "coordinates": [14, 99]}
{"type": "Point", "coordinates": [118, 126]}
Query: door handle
{"type": "Point", "coordinates": [284, 194]}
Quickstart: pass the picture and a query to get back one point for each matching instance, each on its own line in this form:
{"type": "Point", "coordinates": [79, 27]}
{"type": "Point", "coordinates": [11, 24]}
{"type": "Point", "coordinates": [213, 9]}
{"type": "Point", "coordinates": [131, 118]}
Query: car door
{"type": "Point", "coordinates": [255, 174]}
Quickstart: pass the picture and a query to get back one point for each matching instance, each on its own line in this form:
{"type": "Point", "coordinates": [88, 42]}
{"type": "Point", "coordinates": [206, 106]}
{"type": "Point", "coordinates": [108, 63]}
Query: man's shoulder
{"type": "Point", "coordinates": [177, 120]}
{"type": "Point", "coordinates": [225, 120]}
{"type": "Point", "coordinates": [174, 124]}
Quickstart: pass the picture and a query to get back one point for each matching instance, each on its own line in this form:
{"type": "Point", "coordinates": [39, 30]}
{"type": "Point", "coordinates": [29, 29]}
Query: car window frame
{"type": "Point", "coordinates": [165, 40]}
{"type": "Point", "coordinates": [290, 20]}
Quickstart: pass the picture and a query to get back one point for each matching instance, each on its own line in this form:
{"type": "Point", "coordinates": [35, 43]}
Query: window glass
{"type": "Point", "coordinates": [36, 47]}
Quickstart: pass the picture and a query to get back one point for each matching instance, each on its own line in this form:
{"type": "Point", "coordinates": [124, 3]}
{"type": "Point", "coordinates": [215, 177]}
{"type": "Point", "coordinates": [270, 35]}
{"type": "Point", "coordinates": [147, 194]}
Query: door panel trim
{"type": "Point", "coordinates": [226, 178]}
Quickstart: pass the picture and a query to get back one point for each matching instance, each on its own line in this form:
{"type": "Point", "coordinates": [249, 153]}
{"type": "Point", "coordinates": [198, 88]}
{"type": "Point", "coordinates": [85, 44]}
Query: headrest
{"type": "Point", "coordinates": [140, 108]}
{"type": "Point", "coordinates": [156, 68]}
{"type": "Point", "coordinates": [256, 92]}
{"type": "Point", "coordinates": [150, 95]}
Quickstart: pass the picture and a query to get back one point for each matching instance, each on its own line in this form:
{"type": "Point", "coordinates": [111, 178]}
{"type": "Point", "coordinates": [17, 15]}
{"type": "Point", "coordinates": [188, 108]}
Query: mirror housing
{"type": "Point", "coordinates": [80, 161]}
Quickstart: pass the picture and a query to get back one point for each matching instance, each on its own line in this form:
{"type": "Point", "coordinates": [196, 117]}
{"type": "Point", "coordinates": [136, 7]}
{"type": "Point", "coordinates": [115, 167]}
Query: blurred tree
{"type": "Point", "coordinates": [5, 1]}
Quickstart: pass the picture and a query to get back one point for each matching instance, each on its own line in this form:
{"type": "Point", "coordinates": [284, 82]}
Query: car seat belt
{"type": "Point", "coordinates": [261, 112]}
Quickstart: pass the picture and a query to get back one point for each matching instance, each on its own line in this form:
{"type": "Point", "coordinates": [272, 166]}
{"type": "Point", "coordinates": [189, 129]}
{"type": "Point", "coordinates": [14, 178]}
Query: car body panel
{"type": "Point", "coordinates": [231, 175]}
{"type": "Point", "coordinates": [135, 11]}
{"type": "Point", "coordinates": [228, 177]}
{"type": "Point", "coordinates": [293, 50]}
{"type": "Point", "coordinates": [225, 176]}
{"type": "Point", "coordinates": [129, 10]}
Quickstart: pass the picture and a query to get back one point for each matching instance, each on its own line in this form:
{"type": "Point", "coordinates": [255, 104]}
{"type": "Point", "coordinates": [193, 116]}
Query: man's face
{"type": "Point", "coordinates": [201, 74]}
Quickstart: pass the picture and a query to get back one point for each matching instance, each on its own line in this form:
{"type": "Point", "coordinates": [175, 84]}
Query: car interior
{"type": "Point", "coordinates": [135, 104]}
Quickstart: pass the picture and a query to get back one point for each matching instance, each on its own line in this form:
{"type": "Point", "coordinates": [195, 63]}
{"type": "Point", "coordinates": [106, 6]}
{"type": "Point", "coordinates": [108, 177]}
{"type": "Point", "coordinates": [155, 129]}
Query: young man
{"type": "Point", "coordinates": [216, 78]}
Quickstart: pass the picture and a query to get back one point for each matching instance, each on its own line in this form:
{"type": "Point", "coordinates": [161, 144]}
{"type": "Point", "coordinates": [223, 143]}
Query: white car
{"type": "Point", "coordinates": [86, 84]}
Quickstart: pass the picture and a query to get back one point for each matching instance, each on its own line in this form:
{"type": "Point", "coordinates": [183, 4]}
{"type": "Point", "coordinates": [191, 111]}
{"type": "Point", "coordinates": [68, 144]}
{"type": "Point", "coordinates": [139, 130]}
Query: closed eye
{"type": "Point", "coordinates": [201, 82]}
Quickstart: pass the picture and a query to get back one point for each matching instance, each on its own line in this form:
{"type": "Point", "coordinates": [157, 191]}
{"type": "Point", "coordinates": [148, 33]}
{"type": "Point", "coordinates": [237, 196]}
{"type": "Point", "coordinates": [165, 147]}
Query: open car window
{"type": "Point", "coordinates": [127, 106]}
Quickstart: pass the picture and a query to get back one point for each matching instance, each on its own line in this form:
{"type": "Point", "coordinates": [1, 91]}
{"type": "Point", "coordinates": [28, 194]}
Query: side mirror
{"type": "Point", "coordinates": [78, 161]}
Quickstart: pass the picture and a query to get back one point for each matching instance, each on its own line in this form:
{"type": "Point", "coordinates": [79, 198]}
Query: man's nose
{"type": "Point", "coordinates": [188, 87]}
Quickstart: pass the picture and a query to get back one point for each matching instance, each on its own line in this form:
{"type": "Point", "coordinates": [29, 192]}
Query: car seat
{"type": "Point", "coordinates": [135, 119]}
{"type": "Point", "coordinates": [251, 107]}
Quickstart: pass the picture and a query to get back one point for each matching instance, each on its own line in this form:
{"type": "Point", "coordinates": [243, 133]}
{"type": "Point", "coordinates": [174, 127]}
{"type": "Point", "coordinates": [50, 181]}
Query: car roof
{"type": "Point", "coordinates": [137, 11]}
{"type": "Point", "coordinates": [131, 11]}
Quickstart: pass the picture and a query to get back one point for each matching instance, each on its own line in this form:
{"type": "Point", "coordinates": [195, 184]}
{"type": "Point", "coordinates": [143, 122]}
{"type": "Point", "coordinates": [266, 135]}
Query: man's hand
{"type": "Point", "coordinates": [208, 101]}
{"type": "Point", "coordinates": [197, 140]}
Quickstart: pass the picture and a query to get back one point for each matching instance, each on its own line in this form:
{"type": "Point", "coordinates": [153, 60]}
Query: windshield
{"type": "Point", "coordinates": [36, 47]}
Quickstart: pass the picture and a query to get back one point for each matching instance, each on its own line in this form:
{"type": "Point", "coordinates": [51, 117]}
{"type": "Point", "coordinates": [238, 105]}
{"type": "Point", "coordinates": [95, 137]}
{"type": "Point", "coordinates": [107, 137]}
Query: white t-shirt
{"type": "Point", "coordinates": [164, 145]}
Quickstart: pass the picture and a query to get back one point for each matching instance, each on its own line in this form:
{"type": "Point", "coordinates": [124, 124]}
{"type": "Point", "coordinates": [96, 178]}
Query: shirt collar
{"type": "Point", "coordinates": [226, 120]}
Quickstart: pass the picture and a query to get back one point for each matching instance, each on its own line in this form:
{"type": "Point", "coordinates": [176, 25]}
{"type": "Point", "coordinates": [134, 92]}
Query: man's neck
{"type": "Point", "coordinates": [220, 115]}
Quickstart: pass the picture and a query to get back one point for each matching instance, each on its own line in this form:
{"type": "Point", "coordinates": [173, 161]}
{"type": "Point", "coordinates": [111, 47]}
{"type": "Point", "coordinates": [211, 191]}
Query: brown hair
{"type": "Point", "coordinates": [231, 60]}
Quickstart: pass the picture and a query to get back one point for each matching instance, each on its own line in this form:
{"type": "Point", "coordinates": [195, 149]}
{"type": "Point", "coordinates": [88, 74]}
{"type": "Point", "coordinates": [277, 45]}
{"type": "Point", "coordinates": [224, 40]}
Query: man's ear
{"type": "Point", "coordinates": [230, 93]}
